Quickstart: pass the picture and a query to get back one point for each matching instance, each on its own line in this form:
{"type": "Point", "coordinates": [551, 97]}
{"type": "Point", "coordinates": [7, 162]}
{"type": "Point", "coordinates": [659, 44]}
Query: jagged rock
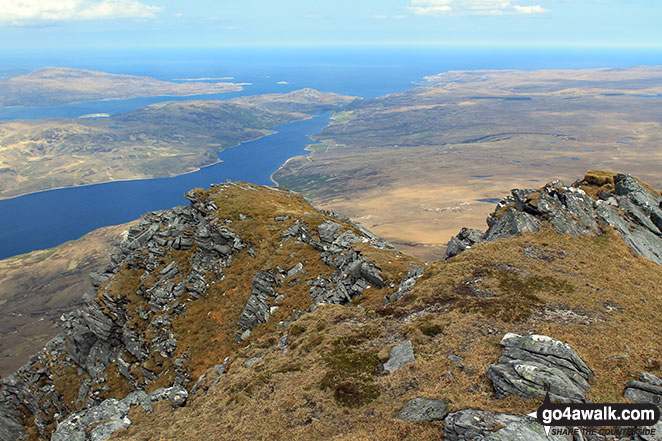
{"type": "Point", "coordinates": [482, 425]}
{"type": "Point", "coordinates": [511, 224]}
{"type": "Point", "coordinates": [257, 309]}
{"type": "Point", "coordinates": [646, 390]}
{"type": "Point", "coordinates": [399, 356]}
{"type": "Point", "coordinates": [531, 364]}
{"type": "Point", "coordinates": [423, 409]}
{"type": "Point", "coordinates": [465, 239]}
{"type": "Point", "coordinates": [177, 395]}
{"type": "Point", "coordinates": [372, 274]}
{"type": "Point", "coordinates": [406, 284]}
{"type": "Point", "coordinates": [632, 210]}
{"type": "Point", "coordinates": [328, 231]}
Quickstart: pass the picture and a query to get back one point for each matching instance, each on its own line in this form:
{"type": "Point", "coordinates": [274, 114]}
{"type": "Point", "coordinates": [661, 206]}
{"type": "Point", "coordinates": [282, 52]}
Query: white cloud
{"type": "Point", "coordinates": [430, 7]}
{"type": "Point", "coordinates": [471, 7]}
{"type": "Point", "coordinates": [537, 9]}
{"type": "Point", "coordinates": [21, 12]}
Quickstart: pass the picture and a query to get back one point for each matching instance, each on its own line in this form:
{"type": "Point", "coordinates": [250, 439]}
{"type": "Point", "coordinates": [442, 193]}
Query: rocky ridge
{"type": "Point", "coordinates": [123, 348]}
{"type": "Point", "coordinates": [266, 269]}
{"type": "Point", "coordinates": [618, 201]}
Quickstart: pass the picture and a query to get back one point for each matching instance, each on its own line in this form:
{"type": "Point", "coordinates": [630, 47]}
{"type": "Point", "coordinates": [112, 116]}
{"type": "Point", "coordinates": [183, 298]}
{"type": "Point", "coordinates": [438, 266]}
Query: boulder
{"type": "Point", "coordinates": [482, 425]}
{"type": "Point", "coordinates": [399, 356]}
{"type": "Point", "coordinates": [465, 239]}
{"type": "Point", "coordinates": [423, 409]}
{"type": "Point", "coordinates": [531, 365]}
{"type": "Point", "coordinates": [648, 389]}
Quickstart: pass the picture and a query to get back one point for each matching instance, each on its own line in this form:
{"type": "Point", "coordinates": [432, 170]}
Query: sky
{"type": "Point", "coordinates": [108, 24]}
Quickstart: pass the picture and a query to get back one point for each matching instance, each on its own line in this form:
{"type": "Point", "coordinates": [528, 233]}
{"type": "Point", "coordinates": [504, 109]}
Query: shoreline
{"type": "Point", "coordinates": [235, 88]}
{"type": "Point", "coordinates": [166, 177]}
{"type": "Point", "coordinates": [307, 148]}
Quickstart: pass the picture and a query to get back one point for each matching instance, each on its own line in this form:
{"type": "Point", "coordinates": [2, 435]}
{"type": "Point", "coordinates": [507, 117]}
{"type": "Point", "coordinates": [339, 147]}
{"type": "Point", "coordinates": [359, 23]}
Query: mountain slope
{"type": "Point", "coordinates": [252, 315]}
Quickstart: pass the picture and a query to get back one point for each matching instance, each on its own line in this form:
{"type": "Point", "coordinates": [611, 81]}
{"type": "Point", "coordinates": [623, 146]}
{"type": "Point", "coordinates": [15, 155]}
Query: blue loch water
{"type": "Point", "coordinates": [48, 218]}
{"type": "Point", "coordinates": [45, 219]}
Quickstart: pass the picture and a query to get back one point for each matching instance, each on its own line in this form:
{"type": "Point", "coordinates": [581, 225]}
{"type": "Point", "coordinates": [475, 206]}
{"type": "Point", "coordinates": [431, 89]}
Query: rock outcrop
{"type": "Point", "coordinates": [126, 337]}
{"type": "Point", "coordinates": [423, 409]}
{"type": "Point", "coordinates": [648, 389]}
{"type": "Point", "coordinates": [482, 425]}
{"type": "Point", "coordinates": [533, 365]}
{"type": "Point", "coordinates": [630, 208]}
{"type": "Point", "coordinates": [399, 356]}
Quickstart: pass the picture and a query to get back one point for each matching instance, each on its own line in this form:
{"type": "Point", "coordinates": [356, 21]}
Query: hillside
{"type": "Point", "coordinates": [52, 86]}
{"type": "Point", "coordinates": [160, 140]}
{"type": "Point", "coordinates": [417, 166]}
{"type": "Point", "coordinates": [253, 315]}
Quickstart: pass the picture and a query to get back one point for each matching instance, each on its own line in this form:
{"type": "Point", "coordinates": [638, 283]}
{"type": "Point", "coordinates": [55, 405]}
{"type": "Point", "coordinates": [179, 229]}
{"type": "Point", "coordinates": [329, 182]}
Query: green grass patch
{"type": "Point", "coordinates": [351, 371]}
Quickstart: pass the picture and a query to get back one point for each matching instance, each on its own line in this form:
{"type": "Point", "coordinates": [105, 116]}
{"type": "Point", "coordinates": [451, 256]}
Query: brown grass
{"type": "Point", "coordinates": [281, 397]}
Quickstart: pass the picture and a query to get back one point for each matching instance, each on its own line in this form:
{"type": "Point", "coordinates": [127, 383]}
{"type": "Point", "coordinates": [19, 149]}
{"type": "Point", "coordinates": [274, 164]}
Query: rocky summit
{"type": "Point", "coordinates": [252, 315]}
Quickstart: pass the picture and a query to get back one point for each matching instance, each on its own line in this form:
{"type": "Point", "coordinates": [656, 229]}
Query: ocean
{"type": "Point", "coordinates": [49, 218]}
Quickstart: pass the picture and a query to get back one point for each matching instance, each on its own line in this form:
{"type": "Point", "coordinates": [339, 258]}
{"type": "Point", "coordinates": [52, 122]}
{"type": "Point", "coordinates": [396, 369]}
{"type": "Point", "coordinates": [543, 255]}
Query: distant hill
{"type": "Point", "coordinates": [160, 140]}
{"type": "Point", "coordinates": [250, 314]}
{"type": "Point", "coordinates": [52, 86]}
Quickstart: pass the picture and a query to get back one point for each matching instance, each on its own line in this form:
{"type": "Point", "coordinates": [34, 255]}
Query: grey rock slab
{"type": "Point", "coordinates": [482, 425]}
{"type": "Point", "coordinates": [474, 424]}
{"type": "Point", "coordinates": [423, 409]}
{"type": "Point", "coordinates": [177, 395]}
{"type": "Point", "coordinates": [75, 426]}
{"type": "Point", "coordinates": [328, 231]}
{"type": "Point", "coordinates": [531, 365]}
{"type": "Point", "coordinates": [399, 356]}
{"type": "Point", "coordinates": [526, 429]}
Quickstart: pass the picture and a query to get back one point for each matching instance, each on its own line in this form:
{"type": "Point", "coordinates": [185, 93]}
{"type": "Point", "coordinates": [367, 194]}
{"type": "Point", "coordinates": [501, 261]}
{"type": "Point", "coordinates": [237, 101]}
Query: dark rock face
{"type": "Point", "coordinates": [482, 425]}
{"type": "Point", "coordinates": [530, 365]}
{"type": "Point", "coordinates": [569, 210]}
{"type": "Point", "coordinates": [423, 409]}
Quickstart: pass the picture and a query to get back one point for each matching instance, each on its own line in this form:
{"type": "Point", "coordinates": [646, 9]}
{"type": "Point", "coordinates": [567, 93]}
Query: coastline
{"type": "Point", "coordinates": [307, 148]}
{"type": "Point", "coordinates": [234, 88]}
{"type": "Point", "coordinates": [2, 198]}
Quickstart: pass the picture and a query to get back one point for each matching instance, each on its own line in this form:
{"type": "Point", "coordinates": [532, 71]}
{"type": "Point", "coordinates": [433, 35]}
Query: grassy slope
{"type": "Point", "coordinates": [591, 292]}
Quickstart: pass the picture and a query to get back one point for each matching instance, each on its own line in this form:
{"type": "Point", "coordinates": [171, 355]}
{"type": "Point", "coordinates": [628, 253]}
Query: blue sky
{"type": "Point", "coordinates": [83, 24]}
